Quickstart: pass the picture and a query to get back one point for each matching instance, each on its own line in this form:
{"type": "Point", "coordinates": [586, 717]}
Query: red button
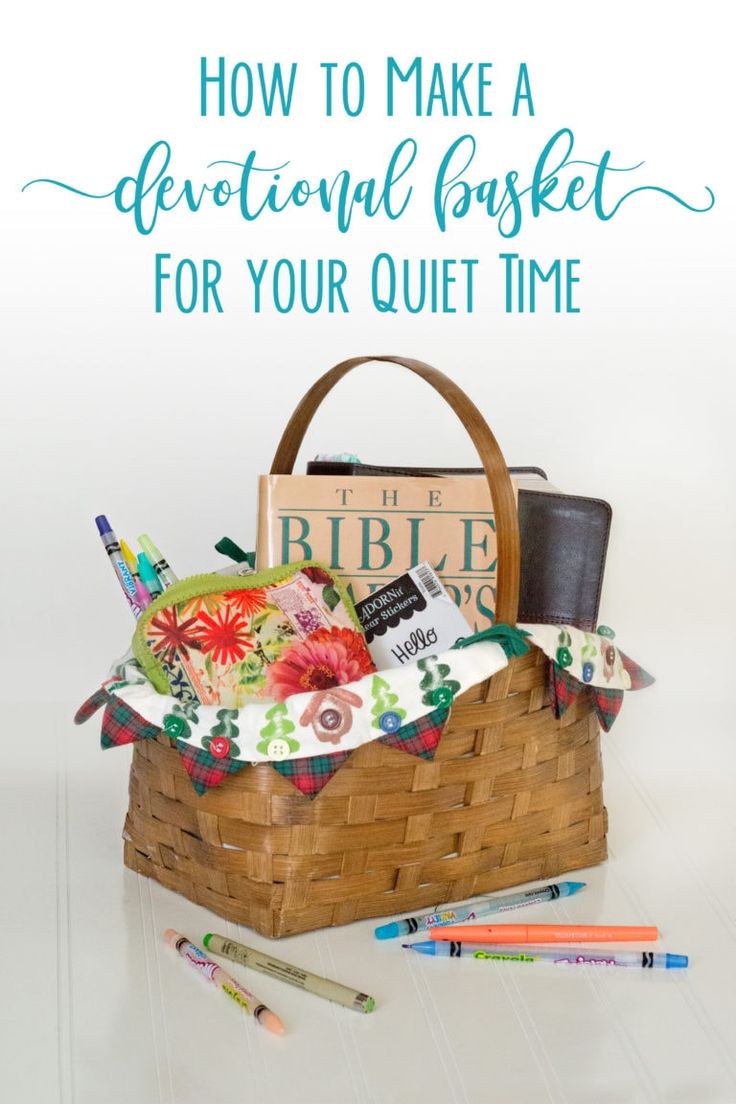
{"type": "Point", "coordinates": [219, 747]}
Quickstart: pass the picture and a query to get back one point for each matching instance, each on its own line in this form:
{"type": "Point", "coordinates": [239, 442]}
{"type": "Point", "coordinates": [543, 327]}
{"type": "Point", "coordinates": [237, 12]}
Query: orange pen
{"type": "Point", "coordinates": [543, 933]}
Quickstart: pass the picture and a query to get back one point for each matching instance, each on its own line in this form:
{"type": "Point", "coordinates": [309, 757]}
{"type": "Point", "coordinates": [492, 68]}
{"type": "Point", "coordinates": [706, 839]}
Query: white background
{"type": "Point", "coordinates": [164, 421]}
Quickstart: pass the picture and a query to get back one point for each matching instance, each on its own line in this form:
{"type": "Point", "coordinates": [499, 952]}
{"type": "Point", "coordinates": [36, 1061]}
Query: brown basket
{"type": "Point", "coordinates": [512, 795]}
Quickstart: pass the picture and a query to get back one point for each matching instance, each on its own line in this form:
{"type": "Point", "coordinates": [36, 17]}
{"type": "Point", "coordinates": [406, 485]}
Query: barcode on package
{"type": "Point", "coordinates": [429, 580]}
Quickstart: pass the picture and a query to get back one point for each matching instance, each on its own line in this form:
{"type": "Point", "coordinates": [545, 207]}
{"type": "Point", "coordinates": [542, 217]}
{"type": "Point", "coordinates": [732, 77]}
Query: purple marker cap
{"type": "Point", "coordinates": [103, 525]}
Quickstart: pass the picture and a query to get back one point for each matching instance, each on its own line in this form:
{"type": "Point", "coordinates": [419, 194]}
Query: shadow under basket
{"type": "Point", "coordinates": [512, 795]}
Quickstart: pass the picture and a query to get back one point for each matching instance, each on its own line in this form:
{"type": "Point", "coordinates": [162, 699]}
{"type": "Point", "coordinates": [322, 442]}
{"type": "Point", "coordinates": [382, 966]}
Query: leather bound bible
{"type": "Point", "coordinates": [564, 539]}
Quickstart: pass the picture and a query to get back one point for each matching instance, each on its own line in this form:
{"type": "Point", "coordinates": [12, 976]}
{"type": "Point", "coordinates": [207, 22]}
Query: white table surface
{"type": "Point", "coordinates": [96, 1010]}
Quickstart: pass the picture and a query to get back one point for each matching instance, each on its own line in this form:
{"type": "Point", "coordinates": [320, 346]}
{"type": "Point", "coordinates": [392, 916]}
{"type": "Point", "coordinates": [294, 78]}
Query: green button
{"type": "Point", "coordinates": [564, 657]}
{"type": "Point", "coordinates": [603, 630]}
{"type": "Point", "coordinates": [176, 727]}
{"type": "Point", "coordinates": [442, 696]}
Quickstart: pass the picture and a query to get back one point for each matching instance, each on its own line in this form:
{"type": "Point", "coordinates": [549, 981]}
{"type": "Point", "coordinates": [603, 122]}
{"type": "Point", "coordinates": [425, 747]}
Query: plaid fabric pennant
{"type": "Point", "coordinates": [640, 678]}
{"type": "Point", "coordinates": [204, 770]}
{"type": "Point", "coordinates": [421, 737]}
{"type": "Point", "coordinates": [310, 776]}
{"type": "Point", "coordinates": [607, 705]}
{"type": "Point", "coordinates": [89, 707]}
{"type": "Point", "coordinates": [122, 725]}
{"type": "Point", "coordinates": [564, 689]}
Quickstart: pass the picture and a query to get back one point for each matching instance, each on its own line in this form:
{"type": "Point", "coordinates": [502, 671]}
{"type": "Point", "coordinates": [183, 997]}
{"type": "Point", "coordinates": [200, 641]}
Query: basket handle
{"type": "Point", "coordinates": [494, 465]}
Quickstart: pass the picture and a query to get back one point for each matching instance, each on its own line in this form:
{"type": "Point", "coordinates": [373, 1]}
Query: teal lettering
{"type": "Point", "coordinates": [414, 523]}
{"type": "Point", "coordinates": [393, 71]}
{"type": "Point", "coordinates": [218, 80]}
{"type": "Point", "coordinates": [526, 276]}
{"type": "Point", "coordinates": [257, 277]}
{"type": "Point", "coordinates": [289, 540]}
{"type": "Point", "coordinates": [523, 91]}
{"type": "Point", "coordinates": [335, 542]}
{"type": "Point", "coordinates": [485, 611]}
{"type": "Point", "coordinates": [484, 82]}
{"type": "Point", "coordinates": [239, 109]}
{"type": "Point", "coordinates": [242, 88]}
{"type": "Point", "coordinates": [469, 544]}
{"type": "Point", "coordinates": [368, 542]}
{"type": "Point", "coordinates": [186, 284]}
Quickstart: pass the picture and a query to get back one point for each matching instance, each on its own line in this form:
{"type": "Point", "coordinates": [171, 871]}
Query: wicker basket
{"type": "Point", "coordinates": [513, 793]}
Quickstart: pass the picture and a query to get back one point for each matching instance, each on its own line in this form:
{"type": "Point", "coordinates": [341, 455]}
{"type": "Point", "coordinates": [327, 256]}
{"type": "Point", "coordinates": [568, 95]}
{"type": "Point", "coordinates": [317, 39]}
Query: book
{"type": "Point", "coordinates": [563, 537]}
{"type": "Point", "coordinates": [370, 529]}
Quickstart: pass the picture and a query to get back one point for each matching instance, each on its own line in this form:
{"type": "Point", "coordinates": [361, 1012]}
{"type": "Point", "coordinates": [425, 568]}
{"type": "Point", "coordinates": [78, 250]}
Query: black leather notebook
{"type": "Point", "coordinates": [564, 539]}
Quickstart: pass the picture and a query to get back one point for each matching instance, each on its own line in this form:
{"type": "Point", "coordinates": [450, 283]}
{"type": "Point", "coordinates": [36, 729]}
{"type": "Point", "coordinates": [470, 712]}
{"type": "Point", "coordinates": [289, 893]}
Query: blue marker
{"type": "Point", "coordinates": [560, 956]}
{"type": "Point", "coordinates": [484, 907]}
{"type": "Point", "coordinates": [149, 578]}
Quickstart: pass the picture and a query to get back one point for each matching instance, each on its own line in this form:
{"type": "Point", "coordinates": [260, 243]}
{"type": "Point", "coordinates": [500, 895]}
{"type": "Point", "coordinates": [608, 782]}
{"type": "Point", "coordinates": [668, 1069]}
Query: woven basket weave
{"type": "Point", "coordinates": [513, 794]}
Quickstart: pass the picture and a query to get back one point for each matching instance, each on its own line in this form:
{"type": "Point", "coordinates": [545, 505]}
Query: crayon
{"type": "Point", "coordinates": [484, 907]}
{"type": "Point", "coordinates": [568, 956]}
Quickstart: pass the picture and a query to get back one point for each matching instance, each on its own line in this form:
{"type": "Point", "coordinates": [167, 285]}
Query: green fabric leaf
{"type": "Point", "coordinates": [331, 597]}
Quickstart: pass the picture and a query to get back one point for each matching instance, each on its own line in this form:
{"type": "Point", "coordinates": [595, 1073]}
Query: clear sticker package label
{"type": "Point", "coordinates": [409, 617]}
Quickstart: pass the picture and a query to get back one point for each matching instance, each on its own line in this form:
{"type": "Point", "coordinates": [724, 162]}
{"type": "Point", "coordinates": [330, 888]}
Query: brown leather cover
{"type": "Point", "coordinates": [564, 539]}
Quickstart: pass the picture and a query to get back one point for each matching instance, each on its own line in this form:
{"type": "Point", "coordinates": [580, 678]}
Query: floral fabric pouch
{"type": "Point", "coordinates": [214, 640]}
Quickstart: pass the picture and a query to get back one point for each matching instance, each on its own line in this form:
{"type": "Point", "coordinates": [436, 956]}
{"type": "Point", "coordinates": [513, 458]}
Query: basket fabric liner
{"type": "Point", "coordinates": [309, 736]}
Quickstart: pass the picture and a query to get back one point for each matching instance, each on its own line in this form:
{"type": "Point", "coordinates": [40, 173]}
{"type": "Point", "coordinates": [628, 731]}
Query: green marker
{"type": "Point", "coordinates": [165, 575]}
{"type": "Point", "coordinates": [292, 975]}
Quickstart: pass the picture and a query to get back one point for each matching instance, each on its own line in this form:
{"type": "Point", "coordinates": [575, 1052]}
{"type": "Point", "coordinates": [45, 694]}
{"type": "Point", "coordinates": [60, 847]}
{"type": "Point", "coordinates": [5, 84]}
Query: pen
{"type": "Point", "coordinates": [126, 580]}
{"type": "Point", "coordinates": [543, 933]}
{"type": "Point", "coordinates": [484, 907]}
{"type": "Point", "coordinates": [196, 957]}
{"type": "Point", "coordinates": [160, 566]}
{"type": "Point", "coordinates": [571, 956]}
{"type": "Point", "coordinates": [292, 975]}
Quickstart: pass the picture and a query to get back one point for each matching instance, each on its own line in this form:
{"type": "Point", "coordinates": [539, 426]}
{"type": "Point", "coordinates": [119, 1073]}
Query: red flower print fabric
{"type": "Point", "coordinates": [263, 642]}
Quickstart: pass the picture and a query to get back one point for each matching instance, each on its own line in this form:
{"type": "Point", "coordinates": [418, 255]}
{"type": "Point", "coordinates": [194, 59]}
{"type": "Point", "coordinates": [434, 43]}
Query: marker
{"type": "Point", "coordinates": [484, 907]}
{"type": "Point", "coordinates": [143, 594]}
{"type": "Point", "coordinates": [292, 975]}
{"type": "Point", "coordinates": [196, 957]}
{"type": "Point", "coordinates": [149, 578]}
{"type": "Point", "coordinates": [569, 956]}
{"type": "Point", "coordinates": [165, 575]}
{"type": "Point", "coordinates": [544, 933]}
{"type": "Point", "coordinates": [126, 580]}
{"type": "Point", "coordinates": [129, 558]}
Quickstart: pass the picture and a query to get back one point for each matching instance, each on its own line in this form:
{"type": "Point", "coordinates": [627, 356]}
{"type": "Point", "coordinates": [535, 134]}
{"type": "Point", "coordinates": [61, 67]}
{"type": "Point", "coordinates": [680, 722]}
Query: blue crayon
{"type": "Point", "coordinates": [484, 907]}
